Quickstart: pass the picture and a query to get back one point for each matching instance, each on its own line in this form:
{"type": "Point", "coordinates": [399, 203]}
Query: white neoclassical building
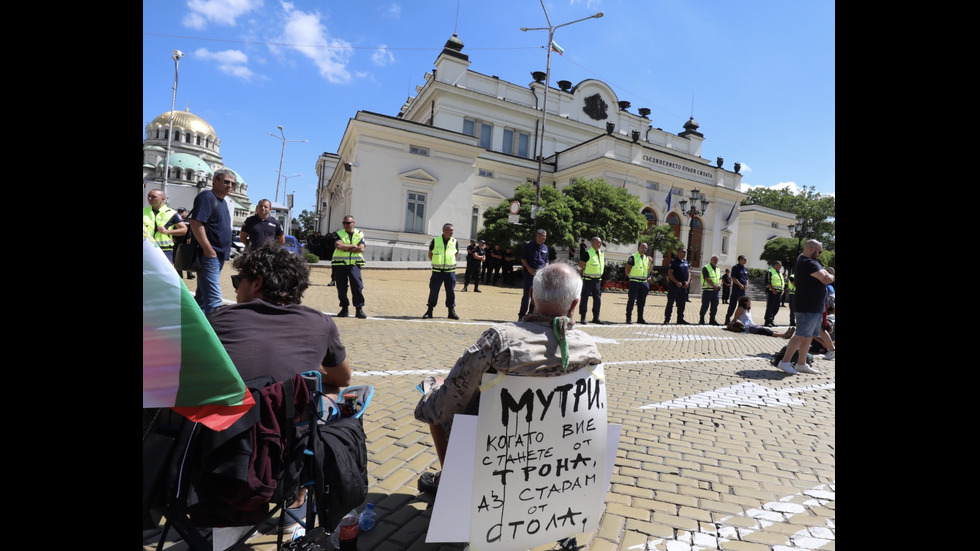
{"type": "Point", "coordinates": [466, 140]}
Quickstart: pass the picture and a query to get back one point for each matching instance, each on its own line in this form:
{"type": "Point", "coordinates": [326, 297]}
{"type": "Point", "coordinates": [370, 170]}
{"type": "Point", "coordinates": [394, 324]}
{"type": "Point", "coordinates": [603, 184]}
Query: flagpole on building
{"type": "Point", "coordinates": [547, 84]}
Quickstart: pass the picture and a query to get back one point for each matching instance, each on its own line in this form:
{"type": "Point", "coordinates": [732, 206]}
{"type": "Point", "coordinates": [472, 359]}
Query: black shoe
{"type": "Point", "coordinates": [629, 321]}
{"type": "Point", "coordinates": [701, 322]}
{"type": "Point", "coordinates": [427, 314]}
{"type": "Point", "coordinates": [343, 313]}
{"type": "Point", "coordinates": [452, 314]}
{"type": "Point", "coordinates": [332, 284]}
{"type": "Point", "coordinates": [360, 314]}
{"type": "Point", "coordinates": [682, 322]}
{"type": "Point", "coordinates": [596, 321]}
{"type": "Point", "coordinates": [477, 290]}
{"type": "Point", "coordinates": [642, 321]}
{"type": "Point", "coordinates": [583, 320]}
{"type": "Point", "coordinates": [463, 290]}
{"type": "Point", "coordinates": [191, 276]}
{"type": "Point", "coordinates": [713, 322]}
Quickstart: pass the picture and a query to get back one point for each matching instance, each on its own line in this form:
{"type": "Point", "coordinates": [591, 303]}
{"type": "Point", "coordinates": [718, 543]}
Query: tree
{"type": "Point", "coordinates": [780, 248]}
{"type": "Point", "coordinates": [661, 239]}
{"type": "Point", "coordinates": [818, 212]}
{"type": "Point", "coordinates": [611, 213]}
{"type": "Point", "coordinates": [554, 217]}
{"type": "Point", "coordinates": [306, 223]}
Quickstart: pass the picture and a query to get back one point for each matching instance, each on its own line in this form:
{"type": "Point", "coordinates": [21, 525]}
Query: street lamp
{"type": "Point", "coordinates": [695, 197]}
{"type": "Point", "coordinates": [801, 229]}
{"type": "Point", "coordinates": [547, 84]}
{"type": "Point", "coordinates": [281, 155]}
{"type": "Point", "coordinates": [170, 134]}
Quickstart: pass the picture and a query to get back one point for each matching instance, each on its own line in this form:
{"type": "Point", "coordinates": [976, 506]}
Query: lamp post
{"type": "Point", "coordinates": [801, 229]}
{"type": "Point", "coordinates": [281, 155]}
{"type": "Point", "coordinates": [691, 213]}
{"type": "Point", "coordinates": [289, 208]}
{"type": "Point", "coordinates": [547, 84]}
{"type": "Point", "coordinates": [170, 134]}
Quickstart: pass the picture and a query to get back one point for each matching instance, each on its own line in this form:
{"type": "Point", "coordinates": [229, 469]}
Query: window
{"type": "Point", "coordinates": [482, 130]}
{"type": "Point", "coordinates": [486, 173]}
{"type": "Point", "coordinates": [774, 225]}
{"type": "Point", "coordinates": [724, 245]}
{"type": "Point", "coordinates": [415, 215]}
{"type": "Point", "coordinates": [516, 142]}
{"type": "Point", "coordinates": [474, 222]}
{"type": "Point", "coordinates": [651, 217]}
{"type": "Point", "coordinates": [653, 185]}
{"type": "Point", "coordinates": [416, 150]}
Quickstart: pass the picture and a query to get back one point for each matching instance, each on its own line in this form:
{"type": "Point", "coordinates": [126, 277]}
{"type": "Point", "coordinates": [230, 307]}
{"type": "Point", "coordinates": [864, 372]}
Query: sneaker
{"type": "Point", "coordinates": [429, 482]}
{"type": "Point", "coordinates": [787, 367]}
{"type": "Point", "coordinates": [829, 355]}
{"type": "Point", "coordinates": [804, 368]}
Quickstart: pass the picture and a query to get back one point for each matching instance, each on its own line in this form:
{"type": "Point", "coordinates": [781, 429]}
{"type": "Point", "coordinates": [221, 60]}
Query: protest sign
{"type": "Point", "coordinates": [540, 464]}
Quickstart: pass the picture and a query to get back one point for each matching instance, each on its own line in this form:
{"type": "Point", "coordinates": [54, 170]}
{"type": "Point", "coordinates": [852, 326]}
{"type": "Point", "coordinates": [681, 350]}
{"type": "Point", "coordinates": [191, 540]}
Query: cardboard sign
{"type": "Point", "coordinates": [540, 464]}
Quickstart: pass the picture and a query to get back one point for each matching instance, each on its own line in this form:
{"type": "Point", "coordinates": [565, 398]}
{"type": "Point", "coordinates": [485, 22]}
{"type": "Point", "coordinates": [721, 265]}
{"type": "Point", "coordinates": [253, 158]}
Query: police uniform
{"type": "Point", "coordinates": [638, 267]}
{"type": "Point", "coordinates": [595, 263]}
{"type": "Point", "coordinates": [774, 294]}
{"type": "Point", "coordinates": [709, 293]}
{"type": "Point", "coordinates": [444, 253]}
{"type": "Point", "coordinates": [347, 271]}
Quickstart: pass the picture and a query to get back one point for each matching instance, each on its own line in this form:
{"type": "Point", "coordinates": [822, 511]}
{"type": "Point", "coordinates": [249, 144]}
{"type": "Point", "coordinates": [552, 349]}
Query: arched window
{"type": "Point", "coordinates": [651, 217]}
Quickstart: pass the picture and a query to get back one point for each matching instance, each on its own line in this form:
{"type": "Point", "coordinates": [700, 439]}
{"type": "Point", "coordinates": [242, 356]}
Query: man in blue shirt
{"type": "Point", "coordinates": [533, 257]}
{"type": "Point", "coordinates": [211, 226]}
{"type": "Point", "coordinates": [679, 283]}
{"type": "Point", "coordinates": [740, 279]}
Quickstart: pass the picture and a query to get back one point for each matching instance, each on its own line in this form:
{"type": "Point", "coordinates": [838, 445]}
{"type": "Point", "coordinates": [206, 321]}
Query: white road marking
{"type": "Point", "coordinates": [715, 535]}
{"type": "Point", "coordinates": [744, 394]}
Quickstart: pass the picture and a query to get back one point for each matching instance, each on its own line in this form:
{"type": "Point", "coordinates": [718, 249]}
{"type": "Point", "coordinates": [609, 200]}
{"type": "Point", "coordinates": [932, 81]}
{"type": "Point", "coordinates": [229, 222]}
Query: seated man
{"type": "Point", "coordinates": [544, 343]}
{"type": "Point", "coordinates": [268, 331]}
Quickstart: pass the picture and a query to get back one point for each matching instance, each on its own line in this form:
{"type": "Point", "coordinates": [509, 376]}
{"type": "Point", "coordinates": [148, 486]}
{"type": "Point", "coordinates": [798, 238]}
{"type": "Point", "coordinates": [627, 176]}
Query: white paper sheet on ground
{"type": "Point", "coordinates": [450, 515]}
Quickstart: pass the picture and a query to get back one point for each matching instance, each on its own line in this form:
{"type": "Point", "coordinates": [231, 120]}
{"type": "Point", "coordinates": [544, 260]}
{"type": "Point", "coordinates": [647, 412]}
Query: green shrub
{"type": "Point", "coordinates": [311, 258]}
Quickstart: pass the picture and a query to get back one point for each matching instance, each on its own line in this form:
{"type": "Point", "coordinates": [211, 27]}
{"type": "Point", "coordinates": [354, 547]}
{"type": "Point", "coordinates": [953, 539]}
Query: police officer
{"type": "Point", "coordinates": [442, 253]}
{"type": "Point", "coordinates": [774, 292]}
{"type": "Point", "coordinates": [162, 222]}
{"type": "Point", "coordinates": [591, 264]}
{"type": "Point", "coordinates": [638, 267]}
{"type": "Point", "coordinates": [711, 284]}
{"type": "Point", "coordinates": [679, 283]}
{"type": "Point", "coordinates": [347, 261]}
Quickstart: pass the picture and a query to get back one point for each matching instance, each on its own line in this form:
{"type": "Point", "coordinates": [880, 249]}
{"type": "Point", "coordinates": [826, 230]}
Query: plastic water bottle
{"type": "Point", "coordinates": [367, 519]}
{"type": "Point", "coordinates": [348, 532]}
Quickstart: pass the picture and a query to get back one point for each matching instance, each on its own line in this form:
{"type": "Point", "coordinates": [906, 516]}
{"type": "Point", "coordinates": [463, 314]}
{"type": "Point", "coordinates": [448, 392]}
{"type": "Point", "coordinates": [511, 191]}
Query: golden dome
{"type": "Point", "coordinates": [186, 121]}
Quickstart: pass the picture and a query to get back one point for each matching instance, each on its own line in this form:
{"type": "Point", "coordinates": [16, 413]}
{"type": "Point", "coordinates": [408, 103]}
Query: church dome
{"type": "Point", "coordinates": [188, 162]}
{"type": "Point", "coordinates": [185, 120]}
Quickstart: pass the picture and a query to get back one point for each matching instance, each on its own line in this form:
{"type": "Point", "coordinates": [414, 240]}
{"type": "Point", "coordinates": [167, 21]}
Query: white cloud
{"type": "Point", "coordinates": [312, 39]}
{"type": "Point", "coordinates": [394, 11]}
{"type": "Point", "coordinates": [229, 62]}
{"type": "Point", "coordinates": [222, 12]}
{"type": "Point", "coordinates": [382, 56]}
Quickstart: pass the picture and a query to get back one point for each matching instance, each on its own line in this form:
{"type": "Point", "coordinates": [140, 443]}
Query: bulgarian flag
{"type": "Point", "coordinates": [556, 48]}
{"type": "Point", "coordinates": [185, 367]}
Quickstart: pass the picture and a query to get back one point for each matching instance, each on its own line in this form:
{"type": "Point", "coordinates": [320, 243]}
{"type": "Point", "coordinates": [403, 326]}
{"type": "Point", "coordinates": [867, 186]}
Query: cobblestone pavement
{"type": "Point", "coordinates": [719, 450]}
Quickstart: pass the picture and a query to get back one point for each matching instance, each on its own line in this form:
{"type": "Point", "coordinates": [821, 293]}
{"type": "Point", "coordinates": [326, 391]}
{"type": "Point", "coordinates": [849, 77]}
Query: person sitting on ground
{"type": "Point", "coordinates": [268, 331]}
{"type": "Point", "coordinates": [743, 322]}
{"type": "Point", "coordinates": [544, 343]}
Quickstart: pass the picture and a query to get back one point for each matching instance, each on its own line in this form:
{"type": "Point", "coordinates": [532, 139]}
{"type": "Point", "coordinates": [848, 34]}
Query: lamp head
{"type": "Point", "coordinates": [598, 15]}
{"type": "Point", "coordinates": [178, 54]}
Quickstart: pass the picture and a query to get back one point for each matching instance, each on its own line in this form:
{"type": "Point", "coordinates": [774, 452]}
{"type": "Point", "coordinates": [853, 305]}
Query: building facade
{"type": "Point", "coordinates": [466, 140]}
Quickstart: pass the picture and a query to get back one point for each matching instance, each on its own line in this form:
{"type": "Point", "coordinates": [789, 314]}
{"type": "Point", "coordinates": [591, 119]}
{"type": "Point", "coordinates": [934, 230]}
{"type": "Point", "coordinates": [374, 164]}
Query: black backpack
{"type": "Point", "coordinates": [795, 359]}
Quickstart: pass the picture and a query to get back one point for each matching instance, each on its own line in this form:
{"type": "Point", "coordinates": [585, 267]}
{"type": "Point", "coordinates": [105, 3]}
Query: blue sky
{"type": "Point", "coordinates": [758, 76]}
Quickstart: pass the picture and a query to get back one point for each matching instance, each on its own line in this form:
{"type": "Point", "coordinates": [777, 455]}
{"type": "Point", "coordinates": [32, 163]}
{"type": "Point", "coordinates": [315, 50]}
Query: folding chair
{"type": "Point", "coordinates": [230, 478]}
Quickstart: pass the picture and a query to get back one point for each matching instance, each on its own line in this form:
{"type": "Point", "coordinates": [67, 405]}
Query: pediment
{"type": "Point", "coordinates": [489, 192]}
{"type": "Point", "coordinates": [418, 176]}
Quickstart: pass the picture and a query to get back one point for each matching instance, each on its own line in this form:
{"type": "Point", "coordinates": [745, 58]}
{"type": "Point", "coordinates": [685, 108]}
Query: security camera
{"type": "Point", "coordinates": [178, 54]}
